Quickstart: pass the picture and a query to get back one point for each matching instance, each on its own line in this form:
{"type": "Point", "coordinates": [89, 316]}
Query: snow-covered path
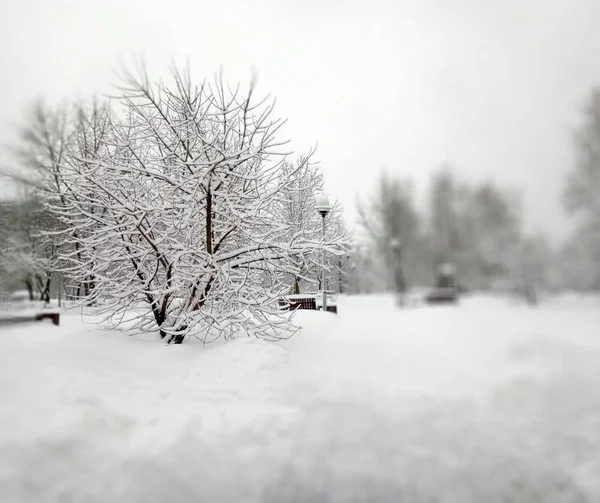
{"type": "Point", "coordinates": [483, 402]}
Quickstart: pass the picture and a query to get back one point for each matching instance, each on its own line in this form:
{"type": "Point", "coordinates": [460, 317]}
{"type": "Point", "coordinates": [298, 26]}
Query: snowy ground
{"type": "Point", "coordinates": [488, 401]}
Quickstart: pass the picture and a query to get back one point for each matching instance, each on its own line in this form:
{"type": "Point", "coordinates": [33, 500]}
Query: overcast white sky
{"type": "Point", "coordinates": [492, 87]}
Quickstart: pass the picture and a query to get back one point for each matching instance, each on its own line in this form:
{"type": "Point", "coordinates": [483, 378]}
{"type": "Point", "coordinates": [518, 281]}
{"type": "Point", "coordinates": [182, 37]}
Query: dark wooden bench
{"type": "Point", "coordinates": [19, 318]}
{"type": "Point", "coordinates": [298, 302]}
{"type": "Point", "coordinates": [55, 317]}
{"type": "Point", "coordinates": [442, 296]}
{"type": "Point", "coordinates": [291, 304]}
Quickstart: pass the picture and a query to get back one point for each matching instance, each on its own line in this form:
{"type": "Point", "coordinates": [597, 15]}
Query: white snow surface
{"type": "Point", "coordinates": [486, 401]}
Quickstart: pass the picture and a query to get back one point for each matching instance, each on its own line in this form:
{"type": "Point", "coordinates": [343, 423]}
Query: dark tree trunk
{"type": "Point", "coordinates": [178, 337]}
{"type": "Point", "coordinates": [88, 287]}
{"type": "Point", "coordinates": [46, 289]}
{"type": "Point", "coordinates": [209, 230]}
{"type": "Point", "coordinates": [29, 285]}
{"type": "Point", "coordinates": [159, 316]}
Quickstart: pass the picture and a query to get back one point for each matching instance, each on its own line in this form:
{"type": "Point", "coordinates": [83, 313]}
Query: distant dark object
{"type": "Point", "coordinates": [446, 277]}
{"type": "Point", "coordinates": [442, 296]}
{"type": "Point", "coordinates": [446, 286]}
{"type": "Point", "coordinates": [18, 318]}
{"type": "Point", "coordinates": [55, 317]}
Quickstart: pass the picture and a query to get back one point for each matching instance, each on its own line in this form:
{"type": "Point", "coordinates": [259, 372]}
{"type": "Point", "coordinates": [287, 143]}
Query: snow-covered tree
{"type": "Point", "coordinates": [579, 259]}
{"type": "Point", "coordinates": [29, 250]}
{"type": "Point", "coordinates": [390, 214]}
{"type": "Point", "coordinates": [52, 142]}
{"type": "Point", "coordinates": [41, 149]}
{"type": "Point", "coordinates": [445, 217]}
{"type": "Point", "coordinates": [582, 192]}
{"type": "Point", "coordinates": [473, 226]}
{"type": "Point", "coordinates": [177, 212]}
{"type": "Point", "coordinates": [90, 143]}
{"type": "Point", "coordinates": [301, 218]}
{"type": "Point", "coordinates": [491, 232]}
{"type": "Point", "coordinates": [582, 199]}
{"type": "Point", "coordinates": [32, 249]}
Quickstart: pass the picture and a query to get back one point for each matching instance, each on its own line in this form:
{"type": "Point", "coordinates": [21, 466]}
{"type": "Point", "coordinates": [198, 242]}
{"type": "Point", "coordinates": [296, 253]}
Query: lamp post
{"type": "Point", "coordinates": [323, 207]}
{"type": "Point", "coordinates": [398, 276]}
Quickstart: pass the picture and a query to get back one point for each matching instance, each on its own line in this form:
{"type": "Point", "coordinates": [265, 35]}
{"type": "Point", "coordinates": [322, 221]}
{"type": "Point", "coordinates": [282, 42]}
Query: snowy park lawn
{"type": "Point", "coordinates": [482, 402]}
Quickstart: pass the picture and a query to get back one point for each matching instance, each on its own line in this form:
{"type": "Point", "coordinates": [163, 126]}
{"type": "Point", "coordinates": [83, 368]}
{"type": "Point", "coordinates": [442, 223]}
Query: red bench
{"type": "Point", "coordinates": [55, 317]}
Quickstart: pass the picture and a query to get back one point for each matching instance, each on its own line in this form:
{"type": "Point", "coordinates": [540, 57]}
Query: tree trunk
{"type": "Point", "coordinates": [178, 337]}
{"type": "Point", "coordinates": [209, 230]}
{"type": "Point", "coordinates": [46, 290]}
{"type": "Point", "coordinates": [29, 285]}
{"type": "Point", "coordinates": [159, 316]}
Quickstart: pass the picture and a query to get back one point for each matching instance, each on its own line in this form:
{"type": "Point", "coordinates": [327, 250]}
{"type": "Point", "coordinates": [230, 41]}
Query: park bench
{"type": "Point", "coordinates": [442, 296]}
{"type": "Point", "coordinates": [446, 288]}
{"type": "Point", "coordinates": [18, 318]}
{"type": "Point", "coordinates": [293, 302]}
{"type": "Point", "coordinates": [25, 312]}
{"type": "Point", "coordinates": [54, 316]}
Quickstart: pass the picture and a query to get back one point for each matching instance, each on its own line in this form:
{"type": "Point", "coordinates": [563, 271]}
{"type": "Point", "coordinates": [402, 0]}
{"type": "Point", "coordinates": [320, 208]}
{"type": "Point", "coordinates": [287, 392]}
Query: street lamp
{"type": "Point", "coordinates": [398, 276]}
{"type": "Point", "coordinates": [323, 207]}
